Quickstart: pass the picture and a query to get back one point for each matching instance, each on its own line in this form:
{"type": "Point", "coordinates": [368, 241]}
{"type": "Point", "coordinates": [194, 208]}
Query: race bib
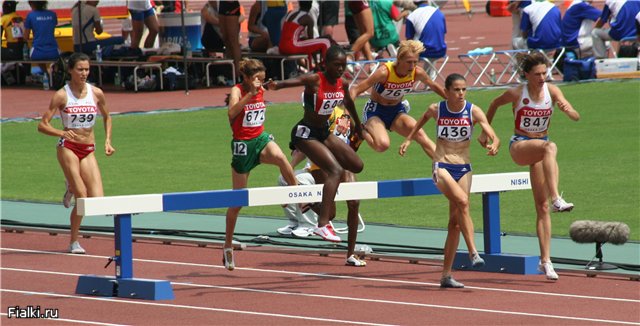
{"type": "Point", "coordinates": [534, 120]}
{"type": "Point", "coordinates": [327, 106]}
{"type": "Point", "coordinates": [395, 94]}
{"type": "Point", "coordinates": [254, 118]}
{"type": "Point", "coordinates": [239, 148]}
{"type": "Point", "coordinates": [454, 129]}
{"type": "Point", "coordinates": [303, 132]}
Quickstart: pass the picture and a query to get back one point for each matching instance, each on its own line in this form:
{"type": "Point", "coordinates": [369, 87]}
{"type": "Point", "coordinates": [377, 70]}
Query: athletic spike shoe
{"type": "Point", "coordinates": [560, 205]}
{"type": "Point", "coordinates": [476, 260]}
{"type": "Point", "coordinates": [227, 259]}
{"type": "Point", "coordinates": [547, 269]}
{"type": "Point", "coordinates": [68, 195]}
{"type": "Point", "coordinates": [75, 248]}
{"type": "Point", "coordinates": [355, 261]}
{"type": "Point", "coordinates": [302, 232]}
{"type": "Point", "coordinates": [327, 233]}
{"type": "Point", "coordinates": [449, 282]}
{"type": "Point", "coordinates": [286, 230]}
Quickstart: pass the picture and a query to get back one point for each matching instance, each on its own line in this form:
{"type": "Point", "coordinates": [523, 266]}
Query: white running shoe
{"type": "Point", "coordinates": [75, 248]}
{"type": "Point", "coordinates": [68, 195]}
{"type": "Point", "coordinates": [560, 205]}
{"type": "Point", "coordinates": [227, 259]}
{"type": "Point", "coordinates": [355, 261]}
{"type": "Point", "coordinates": [547, 269]}
{"type": "Point", "coordinates": [476, 260]}
{"type": "Point", "coordinates": [327, 233]}
{"type": "Point", "coordinates": [449, 282]}
{"type": "Point", "coordinates": [286, 230]}
{"type": "Point", "coordinates": [302, 232]}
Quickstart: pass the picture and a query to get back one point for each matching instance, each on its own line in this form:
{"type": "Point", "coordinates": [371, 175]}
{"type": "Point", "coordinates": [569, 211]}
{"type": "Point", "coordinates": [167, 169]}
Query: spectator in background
{"type": "Point", "coordinates": [265, 24]}
{"type": "Point", "coordinates": [515, 8]}
{"type": "Point", "coordinates": [364, 20]}
{"type": "Point", "coordinates": [541, 26]}
{"type": "Point", "coordinates": [577, 25]}
{"type": "Point", "coordinates": [350, 26]}
{"type": "Point", "coordinates": [229, 17]}
{"type": "Point", "coordinates": [85, 18]}
{"type": "Point", "coordinates": [43, 23]}
{"type": "Point", "coordinates": [428, 25]}
{"type": "Point", "coordinates": [12, 30]}
{"type": "Point", "coordinates": [295, 30]}
{"type": "Point", "coordinates": [143, 14]}
{"type": "Point", "coordinates": [329, 11]}
{"type": "Point", "coordinates": [211, 36]}
{"type": "Point", "coordinates": [620, 14]}
{"type": "Point", "coordinates": [385, 34]}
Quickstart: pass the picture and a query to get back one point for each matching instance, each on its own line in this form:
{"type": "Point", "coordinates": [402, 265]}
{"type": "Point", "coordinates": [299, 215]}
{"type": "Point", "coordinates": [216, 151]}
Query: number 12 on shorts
{"type": "Point", "coordinates": [239, 148]}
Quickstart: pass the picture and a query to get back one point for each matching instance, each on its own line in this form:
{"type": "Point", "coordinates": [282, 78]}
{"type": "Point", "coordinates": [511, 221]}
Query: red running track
{"type": "Point", "coordinates": [291, 289]}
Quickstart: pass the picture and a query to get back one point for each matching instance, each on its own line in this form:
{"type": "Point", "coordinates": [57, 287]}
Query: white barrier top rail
{"type": "Point", "coordinates": [149, 203]}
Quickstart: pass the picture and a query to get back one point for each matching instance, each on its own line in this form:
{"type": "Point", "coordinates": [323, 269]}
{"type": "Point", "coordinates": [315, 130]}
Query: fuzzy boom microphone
{"type": "Point", "coordinates": [616, 233]}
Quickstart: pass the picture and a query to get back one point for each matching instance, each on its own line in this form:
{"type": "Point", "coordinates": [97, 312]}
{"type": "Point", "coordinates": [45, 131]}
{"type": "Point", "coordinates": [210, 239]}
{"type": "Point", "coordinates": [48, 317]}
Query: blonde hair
{"type": "Point", "coordinates": [250, 67]}
{"type": "Point", "coordinates": [410, 46]}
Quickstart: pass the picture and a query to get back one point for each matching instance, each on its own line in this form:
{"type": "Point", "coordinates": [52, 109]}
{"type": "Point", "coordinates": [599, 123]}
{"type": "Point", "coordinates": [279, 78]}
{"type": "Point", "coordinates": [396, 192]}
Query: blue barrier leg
{"type": "Point", "coordinates": [491, 222]}
{"type": "Point", "coordinates": [123, 242]}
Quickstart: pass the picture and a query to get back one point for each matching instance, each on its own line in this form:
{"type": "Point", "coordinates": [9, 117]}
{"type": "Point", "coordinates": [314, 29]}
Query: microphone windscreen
{"type": "Point", "coordinates": [597, 231]}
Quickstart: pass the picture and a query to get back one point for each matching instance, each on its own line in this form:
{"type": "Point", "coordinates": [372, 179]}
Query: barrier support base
{"type": "Point", "coordinates": [500, 262]}
{"type": "Point", "coordinates": [134, 288]}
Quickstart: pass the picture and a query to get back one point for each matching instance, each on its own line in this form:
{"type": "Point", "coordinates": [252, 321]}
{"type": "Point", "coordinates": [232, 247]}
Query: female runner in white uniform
{"type": "Point", "coordinates": [79, 104]}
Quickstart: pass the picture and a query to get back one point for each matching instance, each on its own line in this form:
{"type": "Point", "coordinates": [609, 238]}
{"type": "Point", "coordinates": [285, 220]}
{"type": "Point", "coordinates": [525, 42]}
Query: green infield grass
{"type": "Point", "coordinates": [599, 159]}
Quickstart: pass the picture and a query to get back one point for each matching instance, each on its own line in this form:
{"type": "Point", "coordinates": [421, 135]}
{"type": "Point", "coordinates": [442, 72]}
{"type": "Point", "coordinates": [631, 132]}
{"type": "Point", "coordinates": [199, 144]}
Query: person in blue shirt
{"type": "Point", "coordinates": [577, 25]}
{"type": "Point", "coordinates": [43, 23]}
{"type": "Point", "coordinates": [540, 26]}
{"type": "Point", "coordinates": [515, 8]}
{"type": "Point", "coordinates": [428, 25]}
{"type": "Point", "coordinates": [620, 14]}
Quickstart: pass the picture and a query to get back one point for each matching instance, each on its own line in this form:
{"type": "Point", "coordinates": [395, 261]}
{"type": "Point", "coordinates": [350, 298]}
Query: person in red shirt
{"type": "Point", "coordinates": [323, 92]}
{"type": "Point", "coordinates": [250, 145]}
{"type": "Point", "coordinates": [297, 34]}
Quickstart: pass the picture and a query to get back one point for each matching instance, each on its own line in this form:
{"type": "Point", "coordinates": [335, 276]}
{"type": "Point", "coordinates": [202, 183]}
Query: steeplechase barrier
{"type": "Point", "coordinates": [123, 207]}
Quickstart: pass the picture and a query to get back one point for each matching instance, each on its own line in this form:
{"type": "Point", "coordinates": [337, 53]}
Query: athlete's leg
{"type": "Point", "coordinates": [353, 210]}
{"type": "Point", "coordinates": [404, 123]}
{"type": "Point", "coordinates": [320, 154]}
{"type": "Point", "coordinates": [364, 21]}
{"type": "Point", "coordinates": [458, 194]}
{"type": "Point", "coordinates": [345, 155]}
{"type": "Point", "coordinates": [153, 26]}
{"type": "Point", "coordinates": [70, 164]}
{"type": "Point", "coordinates": [376, 135]}
{"type": "Point", "coordinates": [239, 181]}
{"type": "Point", "coordinates": [528, 152]}
{"type": "Point", "coordinates": [543, 218]}
{"type": "Point", "coordinates": [453, 239]}
{"type": "Point", "coordinates": [272, 154]}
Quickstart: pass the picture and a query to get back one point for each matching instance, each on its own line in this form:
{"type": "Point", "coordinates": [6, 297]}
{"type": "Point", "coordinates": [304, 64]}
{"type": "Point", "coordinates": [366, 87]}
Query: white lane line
{"type": "Point", "coordinates": [75, 321]}
{"type": "Point", "coordinates": [168, 305]}
{"type": "Point", "coordinates": [414, 304]}
{"type": "Point", "coordinates": [368, 279]}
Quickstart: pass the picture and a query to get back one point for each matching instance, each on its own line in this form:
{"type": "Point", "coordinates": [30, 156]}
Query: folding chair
{"type": "Point", "coordinates": [346, 228]}
{"type": "Point", "coordinates": [433, 67]}
{"type": "Point", "coordinates": [550, 54]}
{"type": "Point", "coordinates": [474, 62]}
{"type": "Point", "coordinates": [357, 68]}
{"type": "Point", "coordinates": [507, 60]}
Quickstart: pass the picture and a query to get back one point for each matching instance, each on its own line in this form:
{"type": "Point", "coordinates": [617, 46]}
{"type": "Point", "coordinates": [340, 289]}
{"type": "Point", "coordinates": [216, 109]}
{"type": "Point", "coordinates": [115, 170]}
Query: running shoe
{"type": "Point", "coordinates": [355, 261]}
{"type": "Point", "coordinates": [327, 233]}
{"type": "Point", "coordinates": [286, 230]}
{"type": "Point", "coordinates": [560, 205]}
{"type": "Point", "coordinates": [476, 260]}
{"type": "Point", "coordinates": [302, 232]}
{"type": "Point", "coordinates": [449, 282]}
{"type": "Point", "coordinates": [227, 259]}
{"type": "Point", "coordinates": [68, 195]}
{"type": "Point", "coordinates": [547, 269]}
{"type": "Point", "coordinates": [75, 248]}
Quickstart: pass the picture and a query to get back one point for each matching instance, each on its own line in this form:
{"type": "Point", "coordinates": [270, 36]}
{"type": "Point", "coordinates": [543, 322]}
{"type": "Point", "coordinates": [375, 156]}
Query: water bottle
{"type": "Point", "coordinates": [25, 51]}
{"type": "Point", "coordinates": [116, 79]}
{"type": "Point", "coordinates": [98, 53]}
{"type": "Point", "coordinates": [45, 82]}
{"type": "Point", "coordinates": [492, 76]}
